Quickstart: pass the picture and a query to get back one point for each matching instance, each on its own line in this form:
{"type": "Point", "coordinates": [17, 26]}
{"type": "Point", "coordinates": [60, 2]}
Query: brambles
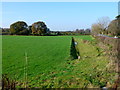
{"type": "Point", "coordinates": [7, 83]}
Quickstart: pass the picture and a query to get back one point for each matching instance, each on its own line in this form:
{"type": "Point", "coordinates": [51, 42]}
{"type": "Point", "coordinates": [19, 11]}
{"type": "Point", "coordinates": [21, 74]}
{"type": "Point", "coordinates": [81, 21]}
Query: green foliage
{"type": "Point", "coordinates": [39, 28]}
{"type": "Point", "coordinates": [19, 28]}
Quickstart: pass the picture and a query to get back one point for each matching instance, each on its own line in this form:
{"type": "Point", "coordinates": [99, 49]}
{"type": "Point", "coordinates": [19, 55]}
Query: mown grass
{"type": "Point", "coordinates": [49, 65]}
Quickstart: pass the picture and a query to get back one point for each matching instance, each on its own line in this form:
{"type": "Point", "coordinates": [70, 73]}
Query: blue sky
{"type": "Point", "coordinates": [58, 15]}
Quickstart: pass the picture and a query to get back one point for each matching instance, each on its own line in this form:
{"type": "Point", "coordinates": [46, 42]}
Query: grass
{"type": "Point", "coordinates": [94, 64]}
{"type": "Point", "coordinates": [89, 72]}
{"type": "Point", "coordinates": [43, 53]}
{"type": "Point", "coordinates": [48, 63]}
{"type": "Point", "coordinates": [85, 37]}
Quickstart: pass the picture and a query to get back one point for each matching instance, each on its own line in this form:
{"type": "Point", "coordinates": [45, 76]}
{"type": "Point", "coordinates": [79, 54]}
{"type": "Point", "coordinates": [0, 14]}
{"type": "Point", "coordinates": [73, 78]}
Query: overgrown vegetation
{"type": "Point", "coordinates": [7, 83]}
{"type": "Point", "coordinates": [99, 63]}
{"type": "Point", "coordinates": [112, 48]}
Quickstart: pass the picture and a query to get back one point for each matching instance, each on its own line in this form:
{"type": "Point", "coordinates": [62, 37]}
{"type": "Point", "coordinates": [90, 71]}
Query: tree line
{"type": "Point", "coordinates": [74, 32]}
{"type": "Point", "coordinates": [39, 28]}
{"type": "Point", "coordinates": [21, 28]}
{"type": "Point", "coordinates": [102, 26]}
{"type": "Point", "coordinates": [106, 27]}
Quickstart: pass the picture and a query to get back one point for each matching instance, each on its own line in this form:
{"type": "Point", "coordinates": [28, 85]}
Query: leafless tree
{"type": "Point", "coordinates": [100, 26]}
{"type": "Point", "coordinates": [95, 29]}
{"type": "Point", "coordinates": [103, 22]}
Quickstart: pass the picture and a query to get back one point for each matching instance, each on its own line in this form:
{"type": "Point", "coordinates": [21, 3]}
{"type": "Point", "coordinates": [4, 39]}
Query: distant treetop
{"type": "Point", "coordinates": [118, 16]}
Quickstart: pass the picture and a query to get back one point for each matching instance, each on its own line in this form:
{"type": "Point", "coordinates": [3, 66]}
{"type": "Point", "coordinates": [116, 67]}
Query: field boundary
{"type": "Point", "coordinates": [115, 53]}
{"type": "Point", "coordinates": [73, 51]}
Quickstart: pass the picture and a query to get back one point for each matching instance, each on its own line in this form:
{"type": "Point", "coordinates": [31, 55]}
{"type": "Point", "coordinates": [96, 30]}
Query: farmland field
{"type": "Point", "coordinates": [45, 61]}
{"type": "Point", "coordinates": [43, 53]}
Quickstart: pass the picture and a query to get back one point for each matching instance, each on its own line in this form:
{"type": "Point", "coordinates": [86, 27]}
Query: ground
{"type": "Point", "coordinates": [48, 63]}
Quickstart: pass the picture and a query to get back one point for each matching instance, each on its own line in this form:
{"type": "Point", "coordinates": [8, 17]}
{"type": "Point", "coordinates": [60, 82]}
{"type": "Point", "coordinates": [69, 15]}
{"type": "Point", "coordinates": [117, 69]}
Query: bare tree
{"type": "Point", "coordinates": [103, 22]}
{"type": "Point", "coordinates": [95, 29]}
{"type": "Point", "coordinates": [100, 26]}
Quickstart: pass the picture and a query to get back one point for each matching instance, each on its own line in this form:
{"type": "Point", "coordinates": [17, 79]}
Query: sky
{"type": "Point", "coordinates": [58, 16]}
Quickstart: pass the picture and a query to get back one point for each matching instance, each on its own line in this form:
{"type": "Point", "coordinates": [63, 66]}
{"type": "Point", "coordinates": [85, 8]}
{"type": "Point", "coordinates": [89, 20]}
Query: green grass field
{"type": "Point", "coordinates": [43, 53]}
{"type": "Point", "coordinates": [45, 60]}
